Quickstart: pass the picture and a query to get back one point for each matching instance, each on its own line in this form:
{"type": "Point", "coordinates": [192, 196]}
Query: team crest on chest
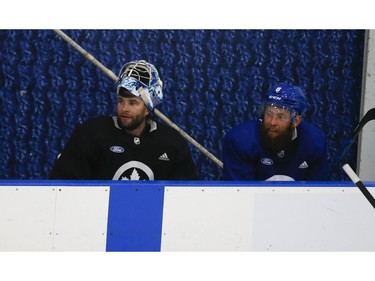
{"type": "Point", "coordinates": [134, 170]}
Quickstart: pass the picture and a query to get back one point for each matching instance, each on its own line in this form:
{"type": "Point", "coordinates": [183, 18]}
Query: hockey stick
{"type": "Point", "coordinates": [357, 181]}
{"type": "Point", "coordinates": [370, 115]}
{"type": "Point", "coordinates": [156, 111]}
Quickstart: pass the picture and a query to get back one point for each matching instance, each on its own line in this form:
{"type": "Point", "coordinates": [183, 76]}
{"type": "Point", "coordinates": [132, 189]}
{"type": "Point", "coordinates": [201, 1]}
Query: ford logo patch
{"type": "Point", "coordinates": [266, 161]}
{"type": "Point", "coordinates": [117, 149]}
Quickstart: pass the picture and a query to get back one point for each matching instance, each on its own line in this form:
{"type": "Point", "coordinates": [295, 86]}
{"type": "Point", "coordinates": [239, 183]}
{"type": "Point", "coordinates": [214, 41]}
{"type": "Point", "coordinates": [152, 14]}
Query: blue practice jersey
{"type": "Point", "coordinates": [304, 158]}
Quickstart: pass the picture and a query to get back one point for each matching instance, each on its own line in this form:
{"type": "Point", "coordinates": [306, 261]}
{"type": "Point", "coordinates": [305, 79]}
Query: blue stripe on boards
{"type": "Point", "coordinates": [135, 217]}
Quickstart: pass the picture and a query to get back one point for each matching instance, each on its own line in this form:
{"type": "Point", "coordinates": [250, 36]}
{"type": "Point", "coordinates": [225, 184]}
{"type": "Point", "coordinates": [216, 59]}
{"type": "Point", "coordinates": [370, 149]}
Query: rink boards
{"type": "Point", "coordinates": [185, 216]}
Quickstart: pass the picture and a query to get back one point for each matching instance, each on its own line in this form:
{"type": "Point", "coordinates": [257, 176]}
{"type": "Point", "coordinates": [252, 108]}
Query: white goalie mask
{"type": "Point", "coordinates": [141, 79]}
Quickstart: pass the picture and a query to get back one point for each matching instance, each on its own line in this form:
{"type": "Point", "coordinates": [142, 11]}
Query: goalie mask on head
{"type": "Point", "coordinates": [141, 79]}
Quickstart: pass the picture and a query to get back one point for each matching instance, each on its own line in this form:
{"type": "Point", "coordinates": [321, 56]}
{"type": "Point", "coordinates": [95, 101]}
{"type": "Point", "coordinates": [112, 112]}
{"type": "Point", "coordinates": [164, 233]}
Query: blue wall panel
{"type": "Point", "coordinates": [135, 217]}
{"type": "Point", "coordinates": [214, 79]}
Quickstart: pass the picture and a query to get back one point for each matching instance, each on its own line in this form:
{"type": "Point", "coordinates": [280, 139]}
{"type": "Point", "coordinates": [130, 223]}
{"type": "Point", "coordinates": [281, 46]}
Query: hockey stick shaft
{"type": "Point", "coordinates": [370, 115]}
{"type": "Point", "coordinates": [346, 149]}
{"type": "Point", "coordinates": [357, 181]}
{"type": "Point", "coordinates": [156, 111]}
{"type": "Point", "coordinates": [86, 54]}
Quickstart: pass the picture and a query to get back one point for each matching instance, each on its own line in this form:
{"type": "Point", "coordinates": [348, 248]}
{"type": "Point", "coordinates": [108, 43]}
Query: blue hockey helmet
{"type": "Point", "coordinates": [141, 79]}
{"type": "Point", "coordinates": [286, 96]}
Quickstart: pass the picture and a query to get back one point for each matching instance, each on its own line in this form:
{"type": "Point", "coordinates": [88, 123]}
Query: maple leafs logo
{"type": "Point", "coordinates": [134, 176]}
{"type": "Point", "coordinates": [134, 170]}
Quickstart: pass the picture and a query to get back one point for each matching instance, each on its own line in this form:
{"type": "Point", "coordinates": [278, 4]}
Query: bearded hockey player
{"type": "Point", "coordinates": [279, 146]}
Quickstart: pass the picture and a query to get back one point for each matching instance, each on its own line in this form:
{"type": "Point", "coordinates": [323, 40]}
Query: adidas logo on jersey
{"type": "Point", "coordinates": [304, 165]}
{"type": "Point", "coordinates": [164, 157]}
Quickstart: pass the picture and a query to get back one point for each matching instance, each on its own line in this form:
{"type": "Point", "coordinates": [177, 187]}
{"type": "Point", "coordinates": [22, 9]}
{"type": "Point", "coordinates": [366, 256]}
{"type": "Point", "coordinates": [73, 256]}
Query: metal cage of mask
{"type": "Point", "coordinates": [142, 80]}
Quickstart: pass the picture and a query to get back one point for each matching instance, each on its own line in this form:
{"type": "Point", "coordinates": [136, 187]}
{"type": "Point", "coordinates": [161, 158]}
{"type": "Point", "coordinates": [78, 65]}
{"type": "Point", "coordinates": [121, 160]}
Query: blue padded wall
{"type": "Point", "coordinates": [214, 79]}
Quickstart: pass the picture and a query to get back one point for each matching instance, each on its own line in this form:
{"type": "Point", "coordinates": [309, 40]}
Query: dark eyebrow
{"type": "Point", "coordinates": [134, 99]}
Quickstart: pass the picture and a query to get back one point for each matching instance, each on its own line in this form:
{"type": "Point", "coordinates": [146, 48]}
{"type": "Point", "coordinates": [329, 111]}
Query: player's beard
{"type": "Point", "coordinates": [134, 124]}
{"type": "Point", "coordinates": [277, 143]}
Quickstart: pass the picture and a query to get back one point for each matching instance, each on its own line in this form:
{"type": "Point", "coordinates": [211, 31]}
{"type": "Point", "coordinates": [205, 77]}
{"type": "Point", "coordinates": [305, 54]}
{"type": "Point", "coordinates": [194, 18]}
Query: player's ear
{"type": "Point", "coordinates": [297, 120]}
{"type": "Point", "coordinates": [147, 111]}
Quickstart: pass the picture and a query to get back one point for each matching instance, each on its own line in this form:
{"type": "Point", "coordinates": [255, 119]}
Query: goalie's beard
{"type": "Point", "coordinates": [134, 124]}
{"type": "Point", "coordinates": [277, 143]}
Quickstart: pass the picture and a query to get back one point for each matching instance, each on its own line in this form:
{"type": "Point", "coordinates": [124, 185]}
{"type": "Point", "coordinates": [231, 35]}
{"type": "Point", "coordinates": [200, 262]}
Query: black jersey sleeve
{"type": "Point", "coordinates": [77, 157]}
